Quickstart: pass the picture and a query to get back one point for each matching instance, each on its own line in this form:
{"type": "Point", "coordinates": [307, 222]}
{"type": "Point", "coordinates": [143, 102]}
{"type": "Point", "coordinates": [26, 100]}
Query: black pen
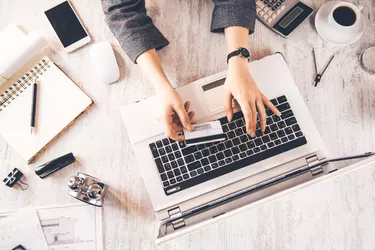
{"type": "Point", "coordinates": [33, 105]}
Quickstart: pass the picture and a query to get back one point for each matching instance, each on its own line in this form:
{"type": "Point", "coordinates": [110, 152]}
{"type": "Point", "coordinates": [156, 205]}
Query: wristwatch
{"type": "Point", "coordinates": [240, 51]}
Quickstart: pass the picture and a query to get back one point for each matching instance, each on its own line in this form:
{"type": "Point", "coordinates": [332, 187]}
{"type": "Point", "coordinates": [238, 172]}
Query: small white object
{"type": "Point", "coordinates": [334, 33]}
{"type": "Point", "coordinates": [103, 63]}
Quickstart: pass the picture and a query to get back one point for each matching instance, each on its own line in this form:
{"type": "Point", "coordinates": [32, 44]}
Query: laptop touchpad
{"type": "Point", "coordinates": [213, 95]}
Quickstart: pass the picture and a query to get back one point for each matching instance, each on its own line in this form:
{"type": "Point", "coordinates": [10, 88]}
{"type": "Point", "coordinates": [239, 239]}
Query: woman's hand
{"type": "Point", "coordinates": [174, 113]}
{"type": "Point", "coordinates": [241, 85]}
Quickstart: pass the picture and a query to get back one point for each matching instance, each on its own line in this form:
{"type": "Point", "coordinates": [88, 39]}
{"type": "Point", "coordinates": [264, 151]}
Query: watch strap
{"type": "Point", "coordinates": [232, 54]}
{"type": "Point", "coordinates": [239, 51]}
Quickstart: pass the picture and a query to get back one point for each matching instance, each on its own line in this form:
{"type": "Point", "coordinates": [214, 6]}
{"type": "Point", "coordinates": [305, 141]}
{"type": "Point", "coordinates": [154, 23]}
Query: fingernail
{"type": "Point", "coordinates": [189, 127]}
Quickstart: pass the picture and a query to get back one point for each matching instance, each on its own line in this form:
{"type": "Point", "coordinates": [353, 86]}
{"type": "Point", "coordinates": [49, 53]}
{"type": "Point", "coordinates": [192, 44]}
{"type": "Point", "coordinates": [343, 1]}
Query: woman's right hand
{"type": "Point", "coordinates": [174, 112]}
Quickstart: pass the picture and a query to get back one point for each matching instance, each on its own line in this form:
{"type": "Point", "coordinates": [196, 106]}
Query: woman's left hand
{"type": "Point", "coordinates": [241, 86]}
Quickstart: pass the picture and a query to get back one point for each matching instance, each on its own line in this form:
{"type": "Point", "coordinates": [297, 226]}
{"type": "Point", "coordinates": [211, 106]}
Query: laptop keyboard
{"type": "Point", "coordinates": [181, 166]}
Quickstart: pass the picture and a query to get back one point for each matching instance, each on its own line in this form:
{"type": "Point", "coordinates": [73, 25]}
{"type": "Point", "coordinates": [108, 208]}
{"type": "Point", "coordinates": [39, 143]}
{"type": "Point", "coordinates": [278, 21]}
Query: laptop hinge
{"type": "Point", "coordinates": [315, 168]}
{"type": "Point", "coordinates": [176, 213]}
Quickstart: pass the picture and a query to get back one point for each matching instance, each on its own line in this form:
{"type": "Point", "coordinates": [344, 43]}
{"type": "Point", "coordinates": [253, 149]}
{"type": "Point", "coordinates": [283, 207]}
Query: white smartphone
{"type": "Point", "coordinates": [67, 26]}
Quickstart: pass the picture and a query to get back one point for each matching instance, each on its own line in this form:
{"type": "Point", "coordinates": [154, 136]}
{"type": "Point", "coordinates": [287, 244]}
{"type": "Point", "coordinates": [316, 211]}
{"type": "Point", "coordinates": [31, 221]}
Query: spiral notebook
{"type": "Point", "coordinates": [60, 102]}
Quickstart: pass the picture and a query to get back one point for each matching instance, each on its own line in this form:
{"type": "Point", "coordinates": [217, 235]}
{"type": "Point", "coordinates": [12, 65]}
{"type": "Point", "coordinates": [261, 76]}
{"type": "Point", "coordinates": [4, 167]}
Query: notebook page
{"type": "Point", "coordinates": [59, 102]}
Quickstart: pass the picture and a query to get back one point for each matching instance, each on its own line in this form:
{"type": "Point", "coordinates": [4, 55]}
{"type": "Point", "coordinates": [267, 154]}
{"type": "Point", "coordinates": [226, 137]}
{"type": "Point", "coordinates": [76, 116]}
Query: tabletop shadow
{"type": "Point", "coordinates": [123, 201]}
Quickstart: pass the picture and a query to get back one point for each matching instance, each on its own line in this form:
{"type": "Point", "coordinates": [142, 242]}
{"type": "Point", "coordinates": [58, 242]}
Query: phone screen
{"type": "Point", "coordinates": [66, 24]}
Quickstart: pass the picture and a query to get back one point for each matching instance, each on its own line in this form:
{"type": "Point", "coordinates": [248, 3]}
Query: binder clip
{"type": "Point", "coordinates": [14, 178]}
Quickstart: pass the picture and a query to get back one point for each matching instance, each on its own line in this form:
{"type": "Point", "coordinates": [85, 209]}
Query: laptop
{"type": "Point", "coordinates": [191, 186]}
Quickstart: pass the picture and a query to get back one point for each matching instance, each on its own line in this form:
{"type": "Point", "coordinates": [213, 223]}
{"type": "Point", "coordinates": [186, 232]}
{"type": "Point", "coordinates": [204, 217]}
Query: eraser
{"type": "Point", "coordinates": [204, 133]}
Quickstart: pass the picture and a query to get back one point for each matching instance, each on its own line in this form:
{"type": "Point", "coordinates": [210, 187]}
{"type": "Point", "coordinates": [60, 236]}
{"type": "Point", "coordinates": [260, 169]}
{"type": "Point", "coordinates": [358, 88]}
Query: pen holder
{"type": "Point", "coordinates": [87, 189]}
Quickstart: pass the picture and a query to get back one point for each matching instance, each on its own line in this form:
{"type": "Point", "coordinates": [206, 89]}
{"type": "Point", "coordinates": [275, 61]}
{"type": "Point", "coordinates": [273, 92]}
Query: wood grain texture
{"type": "Point", "coordinates": [334, 215]}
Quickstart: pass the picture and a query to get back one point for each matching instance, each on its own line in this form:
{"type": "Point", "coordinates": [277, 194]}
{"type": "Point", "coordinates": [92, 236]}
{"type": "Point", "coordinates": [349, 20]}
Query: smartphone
{"type": "Point", "coordinates": [67, 26]}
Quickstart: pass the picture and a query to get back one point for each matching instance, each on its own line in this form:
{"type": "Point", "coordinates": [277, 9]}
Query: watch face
{"type": "Point", "coordinates": [245, 53]}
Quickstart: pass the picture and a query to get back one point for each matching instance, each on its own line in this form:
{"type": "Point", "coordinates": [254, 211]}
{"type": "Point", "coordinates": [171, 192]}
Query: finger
{"type": "Point", "coordinates": [253, 117]}
{"type": "Point", "coordinates": [184, 118]}
{"type": "Point", "coordinates": [246, 111]}
{"type": "Point", "coordinates": [173, 134]}
{"type": "Point", "coordinates": [176, 128]}
{"type": "Point", "coordinates": [170, 132]}
{"type": "Point", "coordinates": [269, 104]}
{"type": "Point", "coordinates": [191, 114]}
{"type": "Point", "coordinates": [262, 115]}
{"type": "Point", "coordinates": [168, 124]}
{"type": "Point", "coordinates": [228, 105]}
{"type": "Point", "coordinates": [187, 106]}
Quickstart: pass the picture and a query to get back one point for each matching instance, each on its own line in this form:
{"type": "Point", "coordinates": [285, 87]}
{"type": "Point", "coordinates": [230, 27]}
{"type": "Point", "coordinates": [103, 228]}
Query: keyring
{"type": "Point", "coordinates": [367, 59]}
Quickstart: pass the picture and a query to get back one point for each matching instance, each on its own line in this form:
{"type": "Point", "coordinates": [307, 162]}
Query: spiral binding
{"type": "Point", "coordinates": [17, 88]}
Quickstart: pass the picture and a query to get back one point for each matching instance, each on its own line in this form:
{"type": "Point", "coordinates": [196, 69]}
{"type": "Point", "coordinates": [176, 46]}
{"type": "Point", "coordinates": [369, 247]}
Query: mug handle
{"type": "Point", "coordinates": [360, 7]}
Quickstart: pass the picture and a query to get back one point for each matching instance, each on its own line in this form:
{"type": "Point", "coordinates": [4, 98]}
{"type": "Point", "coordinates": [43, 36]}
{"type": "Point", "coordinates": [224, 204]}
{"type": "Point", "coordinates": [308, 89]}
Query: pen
{"type": "Point", "coordinates": [33, 105]}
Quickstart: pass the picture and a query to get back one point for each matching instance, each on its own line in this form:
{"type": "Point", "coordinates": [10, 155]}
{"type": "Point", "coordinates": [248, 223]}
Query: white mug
{"type": "Point", "coordinates": [345, 29]}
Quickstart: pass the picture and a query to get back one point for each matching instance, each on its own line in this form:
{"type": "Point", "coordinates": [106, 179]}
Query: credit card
{"type": "Point", "coordinates": [204, 133]}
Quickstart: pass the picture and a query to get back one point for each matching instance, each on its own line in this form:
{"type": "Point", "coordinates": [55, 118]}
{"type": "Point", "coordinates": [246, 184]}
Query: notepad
{"type": "Point", "coordinates": [60, 102]}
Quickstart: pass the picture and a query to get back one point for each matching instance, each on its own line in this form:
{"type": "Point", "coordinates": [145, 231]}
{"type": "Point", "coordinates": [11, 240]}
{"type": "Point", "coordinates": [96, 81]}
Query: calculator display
{"type": "Point", "coordinates": [293, 18]}
{"type": "Point", "coordinates": [293, 15]}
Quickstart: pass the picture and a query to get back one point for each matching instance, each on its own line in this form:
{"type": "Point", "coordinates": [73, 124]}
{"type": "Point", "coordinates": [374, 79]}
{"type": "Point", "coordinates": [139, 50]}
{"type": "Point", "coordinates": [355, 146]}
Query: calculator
{"type": "Point", "coordinates": [282, 16]}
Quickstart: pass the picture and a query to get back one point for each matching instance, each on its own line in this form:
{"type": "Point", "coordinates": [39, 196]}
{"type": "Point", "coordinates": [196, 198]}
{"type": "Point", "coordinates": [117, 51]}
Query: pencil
{"type": "Point", "coordinates": [33, 106]}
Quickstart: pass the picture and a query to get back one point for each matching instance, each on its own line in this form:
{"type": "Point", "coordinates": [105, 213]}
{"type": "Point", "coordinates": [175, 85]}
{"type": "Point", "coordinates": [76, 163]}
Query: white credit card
{"type": "Point", "coordinates": [204, 133]}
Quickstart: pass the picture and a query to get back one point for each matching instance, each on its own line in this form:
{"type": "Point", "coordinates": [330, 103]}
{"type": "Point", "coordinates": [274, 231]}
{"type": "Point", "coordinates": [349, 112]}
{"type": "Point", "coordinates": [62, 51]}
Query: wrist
{"type": "Point", "coordinates": [162, 86]}
{"type": "Point", "coordinates": [238, 62]}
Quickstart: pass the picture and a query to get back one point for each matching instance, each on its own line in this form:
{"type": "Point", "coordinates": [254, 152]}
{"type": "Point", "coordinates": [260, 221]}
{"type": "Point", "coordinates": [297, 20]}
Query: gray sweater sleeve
{"type": "Point", "coordinates": [228, 13]}
{"type": "Point", "coordinates": [132, 27]}
{"type": "Point", "coordinates": [136, 32]}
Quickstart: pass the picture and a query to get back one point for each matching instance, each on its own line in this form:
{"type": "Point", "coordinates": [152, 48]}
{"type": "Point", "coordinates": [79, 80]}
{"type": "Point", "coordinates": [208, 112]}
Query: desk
{"type": "Point", "coordinates": [338, 214]}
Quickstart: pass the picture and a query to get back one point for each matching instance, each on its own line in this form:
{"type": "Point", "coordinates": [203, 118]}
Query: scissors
{"type": "Point", "coordinates": [318, 76]}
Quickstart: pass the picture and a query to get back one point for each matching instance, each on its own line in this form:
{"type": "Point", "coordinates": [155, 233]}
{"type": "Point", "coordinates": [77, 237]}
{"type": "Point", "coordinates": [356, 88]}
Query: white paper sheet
{"type": "Point", "coordinates": [66, 227]}
{"type": "Point", "coordinates": [22, 229]}
{"type": "Point", "coordinates": [72, 227]}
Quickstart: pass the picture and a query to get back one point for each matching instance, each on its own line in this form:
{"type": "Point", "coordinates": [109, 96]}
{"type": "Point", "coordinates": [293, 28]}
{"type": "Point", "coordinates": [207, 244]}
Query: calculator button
{"type": "Point", "coordinates": [269, 5]}
{"type": "Point", "coordinates": [282, 7]}
{"type": "Point", "coordinates": [278, 11]}
{"type": "Point", "coordinates": [269, 20]}
{"type": "Point", "coordinates": [265, 16]}
{"type": "Point", "coordinates": [274, 7]}
{"type": "Point", "coordinates": [260, 4]}
{"type": "Point", "coordinates": [266, 1]}
{"type": "Point", "coordinates": [278, 4]}
{"type": "Point", "coordinates": [273, 16]}
{"type": "Point", "coordinates": [258, 9]}
{"type": "Point", "coordinates": [261, 13]}
{"type": "Point", "coordinates": [265, 9]}
{"type": "Point", "coordinates": [270, 12]}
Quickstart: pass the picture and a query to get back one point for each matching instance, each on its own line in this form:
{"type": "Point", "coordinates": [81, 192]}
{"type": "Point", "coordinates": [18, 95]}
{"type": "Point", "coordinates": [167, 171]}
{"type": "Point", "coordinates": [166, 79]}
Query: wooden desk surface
{"type": "Point", "coordinates": [334, 215]}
